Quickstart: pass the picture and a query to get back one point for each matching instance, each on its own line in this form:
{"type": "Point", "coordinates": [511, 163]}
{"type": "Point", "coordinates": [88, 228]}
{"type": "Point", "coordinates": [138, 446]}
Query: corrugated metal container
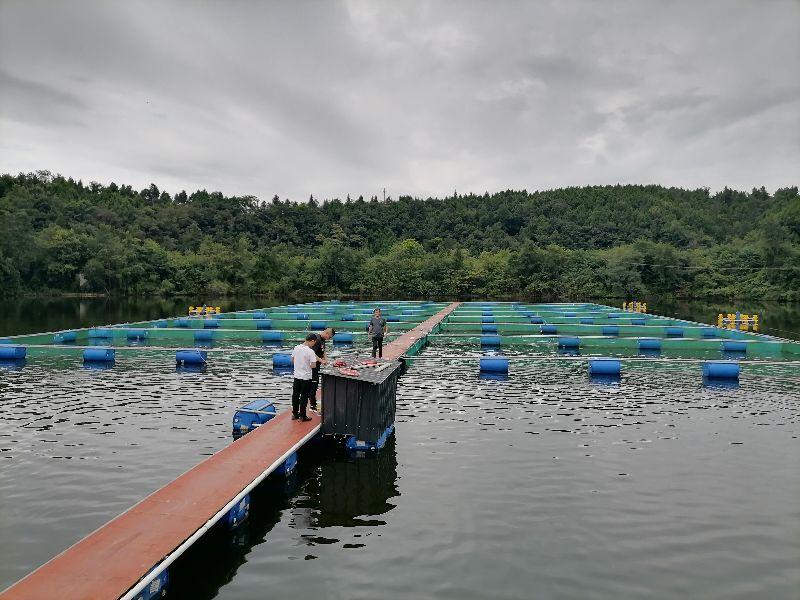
{"type": "Point", "coordinates": [362, 406]}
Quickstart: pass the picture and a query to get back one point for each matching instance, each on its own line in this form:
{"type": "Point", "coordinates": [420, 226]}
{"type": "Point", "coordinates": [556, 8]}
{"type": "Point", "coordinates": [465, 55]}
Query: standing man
{"type": "Point", "coordinates": [377, 328]}
{"type": "Point", "coordinates": [319, 350]}
{"type": "Point", "coordinates": [304, 360]}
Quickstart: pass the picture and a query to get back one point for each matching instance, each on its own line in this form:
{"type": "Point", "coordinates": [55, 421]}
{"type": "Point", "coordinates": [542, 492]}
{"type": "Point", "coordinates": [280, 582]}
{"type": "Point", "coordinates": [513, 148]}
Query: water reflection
{"type": "Point", "coordinates": [604, 379]}
{"type": "Point", "coordinates": [328, 490]}
{"type": "Point", "coordinates": [352, 491]}
{"type": "Point", "coordinates": [99, 365]}
{"type": "Point", "coordinates": [650, 352]}
{"type": "Point", "coordinates": [190, 368]}
{"type": "Point", "coordinates": [720, 383]}
{"type": "Point", "coordinates": [13, 364]}
{"type": "Point", "coordinates": [487, 376]}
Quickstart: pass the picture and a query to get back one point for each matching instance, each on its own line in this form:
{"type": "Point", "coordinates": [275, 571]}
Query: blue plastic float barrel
{"type": "Point", "coordinates": [488, 328]}
{"type": "Point", "coordinates": [638, 322]}
{"type": "Point", "coordinates": [721, 369]}
{"type": "Point", "coordinates": [210, 324]}
{"type": "Point", "coordinates": [342, 337]}
{"type": "Point", "coordinates": [5, 340]}
{"type": "Point", "coordinates": [161, 323]}
{"type": "Point", "coordinates": [734, 346]}
{"type": "Point", "coordinates": [317, 325]}
{"type": "Point", "coordinates": [487, 319]}
{"type": "Point", "coordinates": [537, 320]}
{"type": "Point", "coordinates": [238, 512]}
{"type": "Point", "coordinates": [491, 341]}
{"type": "Point", "coordinates": [673, 331]}
{"type": "Point", "coordinates": [610, 330]}
{"type": "Point", "coordinates": [280, 359]}
{"type": "Point", "coordinates": [259, 314]}
{"type": "Point", "coordinates": [65, 336]}
{"type": "Point", "coordinates": [615, 315]}
{"type": "Point", "coordinates": [604, 366]}
{"type": "Point", "coordinates": [494, 365]}
{"type": "Point", "coordinates": [348, 317]}
{"type": "Point", "coordinates": [272, 336]}
{"type": "Point", "coordinates": [649, 344]}
{"type": "Point", "coordinates": [548, 329]}
{"type": "Point", "coordinates": [392, 319]}
{"type": "Point", "coordinates": [137, 334]}
{"type": "Point", "coordinates": [587, 321]}
{"type": "Point", "coordinates": [182, 322]}
{"type": "Point", "coordinates": [251, 415]}
{"type": "Point", "coordinates": [200, 335]}
{"type": "Point", "coordinates": [99, 354]}
{"type": "Point", "coordinates": [709, 332]}
{"type": "Point", "coordinates": [12, 352]}
{"type": "Point", "coordinates": [301, 316]}
{"type": "Point", "coordinates": [95, 334]}
{"type": "Point", "coordinates": [288, 465]}
{"type": "Point", "coordinates": [264, 324]}
{"type": "Point", "coordinates": [191, 357]}
{"type": "Point", "coordinates": [567, 341]}
{"type": "Point", "coordinates": [570, 314]}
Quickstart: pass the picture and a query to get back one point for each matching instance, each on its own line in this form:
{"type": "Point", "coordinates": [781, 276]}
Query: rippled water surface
{"type": "Point", "coordinates": [544, 485]}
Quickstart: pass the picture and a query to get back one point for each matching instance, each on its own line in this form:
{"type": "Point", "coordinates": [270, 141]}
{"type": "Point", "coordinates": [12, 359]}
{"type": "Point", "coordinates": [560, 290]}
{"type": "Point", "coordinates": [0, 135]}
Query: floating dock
{"type": "Point", "coordinates": [127, 555]}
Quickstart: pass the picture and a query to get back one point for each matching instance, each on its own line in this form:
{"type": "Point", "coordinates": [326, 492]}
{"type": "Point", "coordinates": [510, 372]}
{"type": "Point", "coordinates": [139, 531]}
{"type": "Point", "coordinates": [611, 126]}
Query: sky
{"type": "Point", "coordinates": [420, 98]}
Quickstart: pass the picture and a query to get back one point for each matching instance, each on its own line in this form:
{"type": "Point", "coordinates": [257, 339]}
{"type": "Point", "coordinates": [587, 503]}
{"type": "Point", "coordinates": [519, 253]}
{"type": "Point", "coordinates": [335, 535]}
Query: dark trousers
{"type": "Point", "coordinates": [300, 390]}
{"type": "Point", "coordinates": [312, 391]}
{"type": "Point", "coordinates": [377, 346]}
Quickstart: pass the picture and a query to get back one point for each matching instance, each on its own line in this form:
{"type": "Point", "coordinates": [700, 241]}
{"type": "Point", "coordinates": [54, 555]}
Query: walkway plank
{"type": "Point", "coordinates": [402, 343]}
{"type": "Point", "coordinates": [110, 561]}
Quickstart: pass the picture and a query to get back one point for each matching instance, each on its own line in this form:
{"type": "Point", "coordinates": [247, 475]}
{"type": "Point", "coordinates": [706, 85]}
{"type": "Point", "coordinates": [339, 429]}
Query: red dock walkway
{"type": "Point", "coordinates": [110, 562]}
{"type": "Point", "coordinates": [401, 344]}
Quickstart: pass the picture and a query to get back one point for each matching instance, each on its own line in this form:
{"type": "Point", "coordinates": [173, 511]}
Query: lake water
{"type": "Point", "coordinates": [545, 485]}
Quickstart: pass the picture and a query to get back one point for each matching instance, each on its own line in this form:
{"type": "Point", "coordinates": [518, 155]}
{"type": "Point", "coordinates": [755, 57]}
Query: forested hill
{"type": "Point", "coordinates": [628, 241]}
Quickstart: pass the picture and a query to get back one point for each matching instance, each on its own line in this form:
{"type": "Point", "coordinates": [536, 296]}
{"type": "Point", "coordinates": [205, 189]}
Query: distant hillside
{"type": "Point", "coordinates": [628, 241]}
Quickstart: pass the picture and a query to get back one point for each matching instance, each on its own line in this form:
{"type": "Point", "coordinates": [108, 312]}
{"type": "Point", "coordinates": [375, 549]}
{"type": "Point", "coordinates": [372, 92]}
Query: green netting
{"type": "Point", "coordinates": [674, 346]}
{"type": "Point", "coordinates": [281, 325]}
{"type": "Point", "coordinates": [624, 330]}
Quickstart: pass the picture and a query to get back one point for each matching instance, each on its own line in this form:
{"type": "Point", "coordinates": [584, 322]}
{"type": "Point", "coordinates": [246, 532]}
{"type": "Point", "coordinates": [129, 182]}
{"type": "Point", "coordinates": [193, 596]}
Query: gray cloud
{"type": "Point", "coordinates": [332, 98]}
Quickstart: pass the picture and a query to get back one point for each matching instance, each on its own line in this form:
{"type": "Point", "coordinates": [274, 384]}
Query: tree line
{"type": "Point", "coordinates": [60, 235]}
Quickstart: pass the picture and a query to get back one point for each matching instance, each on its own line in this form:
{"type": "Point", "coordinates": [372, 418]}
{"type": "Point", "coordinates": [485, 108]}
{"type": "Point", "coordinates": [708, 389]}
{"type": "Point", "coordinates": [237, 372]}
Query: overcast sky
{"type": "Point", "coordinates": [331, 98]}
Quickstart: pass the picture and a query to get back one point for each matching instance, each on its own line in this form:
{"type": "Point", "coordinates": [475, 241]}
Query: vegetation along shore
{"type": "Point", "coordinates": [66, 236]}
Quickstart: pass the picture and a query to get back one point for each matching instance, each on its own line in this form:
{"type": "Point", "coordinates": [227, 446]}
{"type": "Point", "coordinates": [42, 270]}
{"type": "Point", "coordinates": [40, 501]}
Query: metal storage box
{"type": "Point", "coordinates": [362, 406]}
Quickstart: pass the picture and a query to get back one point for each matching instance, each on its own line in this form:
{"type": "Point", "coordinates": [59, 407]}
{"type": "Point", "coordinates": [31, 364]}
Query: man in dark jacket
{"type": "Point", "coordinates": [376, 329]}
{"type": "Point", "coordinates": [319, 349]}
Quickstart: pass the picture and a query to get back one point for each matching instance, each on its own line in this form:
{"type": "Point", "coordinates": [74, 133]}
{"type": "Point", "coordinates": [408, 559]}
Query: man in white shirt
{"type": "Point", "coordinates": [304, 360]}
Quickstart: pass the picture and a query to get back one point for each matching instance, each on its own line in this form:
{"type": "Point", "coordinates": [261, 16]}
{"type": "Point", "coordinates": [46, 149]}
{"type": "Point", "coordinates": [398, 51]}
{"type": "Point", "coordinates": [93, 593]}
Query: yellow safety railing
{"type": "Point", "coordinates": [204, 310]}
{"type": "Point", "coordinates": [635, 306]}
{"type": "Point", "coordinates": [740, 321]}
